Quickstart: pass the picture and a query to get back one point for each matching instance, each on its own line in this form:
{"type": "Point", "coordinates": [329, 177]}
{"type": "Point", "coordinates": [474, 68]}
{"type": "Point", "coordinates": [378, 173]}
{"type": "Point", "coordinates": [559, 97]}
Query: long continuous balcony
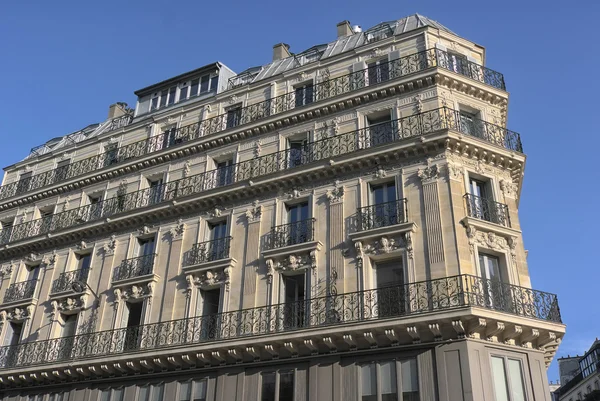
{"type": "Point", "coordinates": [66, 279]}
{"type": "Point", "coordinates": [421, 124]}
{"type": "Point", "coordinates": [487, 209]}
{"type": "Point", "coordinates": [134, 267]}
{"type": "Point", "coordinates": [382, 215]}
{"type": "Point", "coordinates": [321, 91]}
{"type": "Point", "coordinates": [20, 291]}
{"type": "Point", "coordinates": [208, 251]}
{"type": "Point", "coordinates": [334, 310]}
{"type": "Point", "coordinates": [294, 233]}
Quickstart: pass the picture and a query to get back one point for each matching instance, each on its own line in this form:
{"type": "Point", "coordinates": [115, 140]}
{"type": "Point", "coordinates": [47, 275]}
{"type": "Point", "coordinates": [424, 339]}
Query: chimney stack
{"type": "Point", "coordinates": [281, 51]}
{"type": "Point", "coordinates": [344, 29]}
{"type": "Point", "coordinates": [117, 110]}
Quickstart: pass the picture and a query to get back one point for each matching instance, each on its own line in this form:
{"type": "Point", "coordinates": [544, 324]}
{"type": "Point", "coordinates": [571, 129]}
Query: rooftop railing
{"type": "Point", "coordinates": [324, 90]}
{"type": "Point", "coordinates": [378, 135]}
{"type": "Point", "coordinates": [394, 302]}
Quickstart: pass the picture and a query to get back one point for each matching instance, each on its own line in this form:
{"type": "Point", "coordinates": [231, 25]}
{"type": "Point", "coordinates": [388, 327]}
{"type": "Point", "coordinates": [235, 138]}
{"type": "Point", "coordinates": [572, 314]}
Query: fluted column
{"type": "Point", "coordinates": [170, 275]}
{"type": "Point", "coordinates": [335, 275]}
{"type": "Point", "coordinates": [433, 223]}
{"type": "Point", "coordinates": [253, 216]}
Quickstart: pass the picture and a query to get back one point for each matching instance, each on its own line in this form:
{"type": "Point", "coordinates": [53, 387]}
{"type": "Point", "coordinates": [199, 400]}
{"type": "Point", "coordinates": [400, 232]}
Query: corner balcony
{"type": "Point", "coordinates": [65, 280]}
{"type": "Point", "coordinates": [322, 91]}
{"type": "Point", "coordinates": [379, 136]}
{"type": "Point", "coordinates": [133, 269]}
{"type": "Point", "coordinates": [22, 291]}
{"type": "Point", "coordinates": [487, 210]}
{"type": "Point", "coordinates": [370, 310]}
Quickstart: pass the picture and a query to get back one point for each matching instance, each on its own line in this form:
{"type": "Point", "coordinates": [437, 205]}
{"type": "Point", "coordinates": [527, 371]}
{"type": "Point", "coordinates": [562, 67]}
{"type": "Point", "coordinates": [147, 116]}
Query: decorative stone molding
{"type": "Point", "coordinates": [135, 292]}
{"type": "Point", "coordinates": [211, 278]}
{"type": "Point", "coordinates": [418, 107]}
{"type": "Point", "coordinates": [335, 195]}
{"type": "Point", "coordinates": [82, 245]}
{"type": "Point", "coordinates": [32, 257]}
{"type": "Point", "coordinates": [509, 189]}
{"type": "Point", "coordinates": [215, 213]}
{"type": "Point", "coordinates": [380, 172]}
{"type": "Point", "coordinates": [69, 304]}
{"type": "Point", "coordinates": [377, 52]}
{"type": "Point", "coordinates": [19, 314]}
{"type": "Point", "coordinates": [428, 174]}
{"type": "Point", "coordinates": [50, 260]}
{"type": "Point", "coordinates": [144, 230]}
{"type": "Point", "coordinates": [270, 270]}
{"type": "Point", "coordinates": [492, 241]}
{"type": "Point", "coordinates": [294, 193]}
{"type": "Point", "coordinates": [110, 246]}
{"type": "Point", "coordinates": [177, 231]}
{"type": "Point", "coordinates": [454, 172]}
{"type": "Point", "coordinates": [65, 205]}
{"type": "Point", "coordinates": [303, 76]}
{"type": "Point", "coordinates": [232, 99]}
{"type": "Point", "coordinates": [6, 270]}
{"type": "Point", "coordinates": [257, 148]}
{"type": "Point", "coordinates": [254, 213]}
{"type": "Point", "coordinates": [187, 168]}
{"type": "Point", "coordinates": [386, 245]}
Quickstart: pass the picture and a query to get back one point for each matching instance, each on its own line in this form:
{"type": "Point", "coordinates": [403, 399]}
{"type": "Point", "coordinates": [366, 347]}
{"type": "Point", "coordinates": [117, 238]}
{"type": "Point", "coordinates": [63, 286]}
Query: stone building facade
{"type": "Point", "coordinates": [338, 224]}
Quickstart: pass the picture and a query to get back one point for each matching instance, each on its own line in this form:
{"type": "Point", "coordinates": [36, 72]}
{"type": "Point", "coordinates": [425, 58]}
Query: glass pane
{"type": "Point", "coordinates": [410, 380]}
{"type": "Point", "coordinates": [200, 390]}
{"type": "Point", "coordinates": [388, 379]}
{"type": "Point", "coordinates": [143, 394]}
{"type": "Point", "coordinates": [204, 84]}
{"type": "Point", "coordinates": [105, 395]}
{"type": "Point", "coordinates": [517, 386]}
{"type": "Point", "coordinates": [117, 395]}
{"type": "Point", "coordinates": [194, 87]}
{"type": "Point", "coordinates": [286, 385]}
{"type": "Point", "coordinates": [268, 387]}
{"type": "Point", "coordinates": [157, 392]}
{"type": "Point", "coordinates": [499, 377]}
{"type": "Point", "coordinates": [185, 390]}
{"type": "Point", "coordinates": [369, 382]}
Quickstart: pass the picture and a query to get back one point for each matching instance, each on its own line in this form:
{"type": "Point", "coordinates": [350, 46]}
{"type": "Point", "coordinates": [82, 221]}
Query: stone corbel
{"type": "Point", "coordinates": [413, 332]}
{"type": "Point", "coordinates": [359, 253]}
{"type": "Point", "coordinates": [6, 270]}
{"type": "Point", "coordinates": [176, 232]}
{"type": "Point", "coordinates": [254, 213]}
{"type": "Point", "coordinates": [528, 337]}
{"type": "Point", "coordinates": [454, 172]}
{"type": "Point", "coordinates": [494, 330]}
{"type": "Point", "coordinates": [393, 337]}
{"type": "Point", "coordinates": [512, 333]}
{"type": "Point", "coordinates": [477, 328]}
{"type": "Point", "coordinates": [50, 260]}
{"type": "Point", "coordinates": [435, 330]}
{"type": "Point", "coordinates": [429, 174]}
{"type": "Point", "coordinates": [335, 195]}
{"type": "Point", "coordinates": [110, 246]}
{"type": "Point", "coordinates": [459, 327]}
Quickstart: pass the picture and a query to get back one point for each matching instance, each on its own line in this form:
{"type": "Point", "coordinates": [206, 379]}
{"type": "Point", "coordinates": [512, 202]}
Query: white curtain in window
{"type": "Point", "coordinates": [499, 375]}
{"type": "Point", "coordinates": [515, 374]}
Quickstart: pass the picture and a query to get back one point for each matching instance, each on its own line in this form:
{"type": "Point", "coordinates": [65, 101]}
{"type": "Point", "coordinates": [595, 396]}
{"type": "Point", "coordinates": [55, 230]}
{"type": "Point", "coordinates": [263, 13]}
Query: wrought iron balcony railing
{"type": "Point", "coordinates": [487, 209]}
{"type": "Point", "coordinates": [294, 233]}
{"type": "Point", "coordinates": [208, 251]}
{"type": "Point", "coordinates": [324, 90]}
{"type": "Point", "coordinates": [333, 310]}
{"type": "Point", "coordinates": [20, 291]}
{"type": "Point", "coordinates": [382, 215]}
{"type": "Point", "coordinates": [428, 122]}
{"type": "Point", "coordinates": [64, 280]}
{"type": "Point", "coordinates": [134, 267]}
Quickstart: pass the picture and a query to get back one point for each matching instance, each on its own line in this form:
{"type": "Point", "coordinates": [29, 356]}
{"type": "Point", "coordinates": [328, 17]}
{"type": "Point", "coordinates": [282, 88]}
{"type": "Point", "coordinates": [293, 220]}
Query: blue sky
{"type": "Point", "coordinates": [63, 63]}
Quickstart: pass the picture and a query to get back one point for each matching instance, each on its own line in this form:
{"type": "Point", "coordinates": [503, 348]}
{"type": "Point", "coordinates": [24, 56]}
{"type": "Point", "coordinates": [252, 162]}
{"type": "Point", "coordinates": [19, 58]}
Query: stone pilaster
{"type": "Point", "coordinates": [103, 276]}
{"type": "Point", "coordinates": [171, 276]}
{"type": "Point", "coordinates": [335, 275]}
{"type": "Point", "coordinates": [254, 217]}
{"type": "Point", "coordinates": [433, 224]}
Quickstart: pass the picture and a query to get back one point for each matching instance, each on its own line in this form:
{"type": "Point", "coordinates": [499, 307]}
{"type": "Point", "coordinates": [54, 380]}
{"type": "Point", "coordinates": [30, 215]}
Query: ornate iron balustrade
{"type": "Point", "coordinates": [327, 89]}
{"type": "Point", "coordinates": [297, 232]}
{"type": "Point", "coordinates": [64, 280]}
{"type": "Point", "coordinates": [378, 135]}
{"type": "Point", "coordinates": [120, 122]}
{"type": "Point", "coordinates": [333, 310]}
{"type": "Point", "coordinates": [208, 251]}
{"type": "Point", "coordinates": [382, 215]}
{"type": "Point", "coordinates": [487, 209]}
{"type": "Point", "coordinates": [134, 267]}
{"type": "Point", "coordinates": [20, 291]}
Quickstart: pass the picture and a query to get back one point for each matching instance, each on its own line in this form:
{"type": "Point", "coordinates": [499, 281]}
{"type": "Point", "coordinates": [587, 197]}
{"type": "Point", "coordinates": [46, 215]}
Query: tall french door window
{"type": "Point", "coordinates": [224, 173]}
{"type": "Point", "coordinates": [384, 208]}
{"type": "Point", "coordinates": [234, 116]}
{"type": "Point", "coordinates": [509, 384]}
{"type": "Point", "coordinates": [218, 246]}
{"type": "Point", "coordinates": [209, 308]}
{"type": "Point", "coordinates": [494, 292]}
{"type": "Point", "coordinates": [155, 190]}
{"type": "Point", "coordinates": [389, 284]}
{"type": "Point", "coordinates": [145, 246]}
{"type": "Point", "coordinates": [297, 153]}
{"type": "Point", "coordinates": [298, 226]}
{"type": "Point", "coordinates": [132, 319]}
{"type": "Point", "coordinates": [304, 94]}
{"type": "Point", "coordinates": [380, 130]}
{"type": "Point", "coordinates": [378, 71]}
{"type": "Point", "coordinates": [294, 297]}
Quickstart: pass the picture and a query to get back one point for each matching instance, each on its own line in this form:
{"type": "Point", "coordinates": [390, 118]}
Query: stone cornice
{"type": "Point", "coordinates": [349, 100]}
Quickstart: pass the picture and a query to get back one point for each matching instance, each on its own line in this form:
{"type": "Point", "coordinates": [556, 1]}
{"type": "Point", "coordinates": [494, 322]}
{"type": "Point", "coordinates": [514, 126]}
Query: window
{"type": "Point", "coordinates": [380, 381]}
{"type": "Point", "coordinates": [208, 306]}
{"type": "Point", "coordinates": [304, 94]}
{"type": "Point", "coordinates": [495, 295]}
{"type": "Point", "coordinates": [508, 380]}
{"type": "Point", "coordinates": [272, 381]}
{"type": "Point", "coordinates": [194, 87]}
{"type": "Point", "coordinates": [46, 220]}
{"type": "Point", "coordinates": [68, 331]}
{"type": "Point", "coordinates": [94, 208]}
{"type": "Point", "coordinates": [183, 91]}
{"type": "Point", "coordinates": [23, 183]}
{"type": "Point", "coordinates": [155, 190]}
{"type": "Point", "coordinates": [168, 138]}
{"type": "Point", "coordinates": [299, 227]}
{"type": "Point", "coordinates": [378, 71]}
{"type": "Point", "coordinates": [234, 116]}
{"type": "Point", "coordinates": [154, 392]}
{"type": "Point", "coordinates": [33, 272]}
{"type": "Point", "coordinates": [58, 397]}
{"type": "Point", "coordinates": [61, 172]}
{"type": "Point", "coordinates": [389, 282]}
{"type": "Point", "coordinates": [172, 92]}
{"type": "Point", "coordinates": [132, 319]}
{"type": "Point", "coordinates": [297, 152]}
{"type": "Point", "coordinates": [6, 231]}
{"type": "Point", "coordinates": [112, 155]}
{"type": "Point", "coordinates": [224, 173]}
{"type": "Point", "coordinates": [380, 129]}
{"type": "Point", "coordinates": [13, 333]}
{"type": "Point", "coordinates": [154, 102]}
{"type": "Point", "coordinates": [112, 394]}
{"type": "Point", "coordinates": [384, 208]}
{"type": "Point", "coordinates": [294, 295]}
{"type": "Point", "coordinates": [145, 246]}
{"type": "Point", "coordinates": [193, 390]}
{"type": "Point", "coordinates": [218, 236]}
{"type": "Point", "coordinates": [455, 62]}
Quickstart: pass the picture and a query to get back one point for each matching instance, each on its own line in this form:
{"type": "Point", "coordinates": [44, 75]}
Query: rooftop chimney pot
{"type": "Point", "coordinates": [344, 29]}
{"type": "Point", "coordinates": [281, 51]}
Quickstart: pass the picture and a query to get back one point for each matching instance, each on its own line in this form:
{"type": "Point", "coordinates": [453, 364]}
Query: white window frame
{"type": "Point", "coordinates": [398, 366]}
{"type": "Point", "coordinates": [505, 358]}
{"type": "Point", "coordinates": [277, 381]}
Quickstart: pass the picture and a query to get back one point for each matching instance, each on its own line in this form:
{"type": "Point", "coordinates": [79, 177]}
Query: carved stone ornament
{"type": "Point", "coordinates": [418, 108]}
{"type": "Point", "coordinates": [233, 99]}
{"type": "Point", "coordinates": [187, 168]}
{"type": "Point", "coordinates": [257, 148]}
{"type": "Point", "coordinates": [82, 245]}
{"type": "Point", "coordinates": [492, 241]}
{"type": "Point", "coordinates": [212, 278]}
{"type": "Point", "coordinates": [303, 76]}
{"type": "Point", "coordinates": [335, 195]}
{"type": "Point", "coordinates": [110, 246]}
{"type": "Point", "coordinates": [177, 231]}
{"type": "Point", "coordinates": [428, 174]}
{"type": "Point", "coordinates": [294, 193]}
{"type": "Point", "coordinates": [136, 291]}
{"type": "Point", "coordinates": [50, 260]}
{"type": "Point", "coordinates": [216, 212]}
{"type": "Point", "coordinates": [377, 52]}
{"type": "Point", "coordinates": [270, 270]}
{"type": "Point", "coordinates": [6, 270]}
{"type": "Point", "coordinates": [380, 172]}
{"type": "Point", "coordinates": [65, 205]}
{"type": "Point", "coordinates": [144, 230]}
{"type": "Point", "coordinates": [454, 172]}
{"type": "Point", "coordinates": [69, 304]}
{"type": "Point", "coordinates": [20, 314]}
{"type": "Point", "coordinates": [509, 188]}
{"type": "Point", "coordinates": [32, 257]}
{"type": "Point", "coordinates": [254, 213]}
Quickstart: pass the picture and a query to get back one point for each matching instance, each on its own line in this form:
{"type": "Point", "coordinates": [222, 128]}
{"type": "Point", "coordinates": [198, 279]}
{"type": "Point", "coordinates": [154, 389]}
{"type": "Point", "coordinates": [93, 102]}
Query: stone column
{"type": "Point", "coordinates": [170, 275]}
{"type": "Point", "coordinates": [335, 276]}
{"type": "Point", "coordinates": [433, 223]}
{"type": "Point", "coordinates": [104, 278]}
{"type": "Point", "coordinates": [251, 260]}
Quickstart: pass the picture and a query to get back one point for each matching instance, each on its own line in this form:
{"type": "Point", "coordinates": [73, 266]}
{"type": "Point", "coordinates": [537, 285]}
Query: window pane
{"type": "Point", "coordinates": [200, 390]}
{"type": "Point", "coordinates": [517, 387]}
{"type": "Point", "coordinates": [105, 395]}
{"type": "Point", "coordinates": [410, 380]}
{"type": "Point", "coordinates": [172, 92]}
{"type": "Point", "coordinates": [499, 375]}
{"type": "Point", "coordinates": [204, 84]}
{"type": "Point", "coordinates": [183, 93]}
{"type": "Point", "coordinates": [369, 382]}
{"type": "Point", "coordinates": [117, 395]}
{"type": "Point", "coordinates": [185, 390]}
{"type": "Point", "coordinates": [286, 385]}
{"type": "Point", "coordinates": [143, 394]}
{"type": "Point", "coordinates": [194, 87]}
{"type": "Point", "coordinates": [268, 387]}
{"type": "Point", "coordinates": [213, 83]}
{"type": "Point", "coordinates": [157, 392]}
{"type": "Point", "coordinates": [388, 380]}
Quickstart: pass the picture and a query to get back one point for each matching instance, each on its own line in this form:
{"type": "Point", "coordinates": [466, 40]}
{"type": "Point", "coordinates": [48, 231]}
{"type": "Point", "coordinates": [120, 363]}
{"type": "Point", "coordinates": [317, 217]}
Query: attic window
{"type": "Point", "coordinates": [378, 33]}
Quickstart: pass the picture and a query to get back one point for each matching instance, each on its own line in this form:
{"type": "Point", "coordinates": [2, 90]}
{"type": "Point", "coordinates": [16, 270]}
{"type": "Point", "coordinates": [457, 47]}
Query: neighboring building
{"type": "Point", "coordinates": [586, 382]}
{"type": "Point", "coordinates": [568, 368]}
{"type": "Point", "coordinates": [339, 224]}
